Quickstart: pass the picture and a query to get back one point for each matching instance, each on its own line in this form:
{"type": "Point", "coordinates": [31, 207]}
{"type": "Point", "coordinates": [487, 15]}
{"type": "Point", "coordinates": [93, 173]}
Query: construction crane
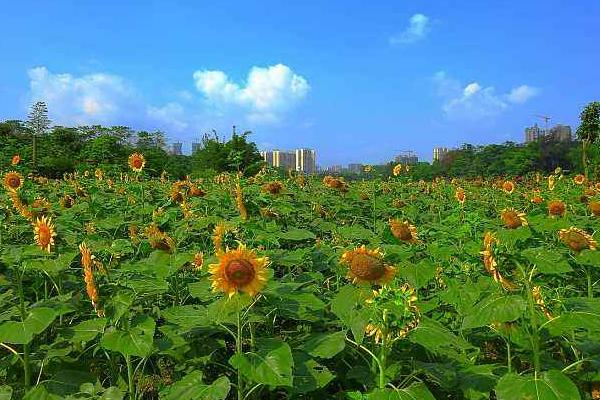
{"type": "Point", "coordinates": [546, 118]}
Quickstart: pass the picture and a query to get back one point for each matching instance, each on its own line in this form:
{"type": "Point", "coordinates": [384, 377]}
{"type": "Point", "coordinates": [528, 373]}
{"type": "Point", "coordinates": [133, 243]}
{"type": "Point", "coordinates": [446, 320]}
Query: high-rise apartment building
{"type": "Point", "coordinates": [440, 153]}
{"type": "Point", "coordinates": [306, 161]}
{"type": "Point", "coordinates": [196, 147]}
{"type": "Point", "coordinates": [176, 149]}
{"type": "Point", "coordinates": [355, 168]}
{"type": "Point", "coordinates": [558, 133]}
{"type": "Point", "coordinates": [407, 158]}
{"type": "Point", "coordinates": [533, 133]}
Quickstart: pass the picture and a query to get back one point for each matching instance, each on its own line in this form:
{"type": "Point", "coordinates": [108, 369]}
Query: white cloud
{"type": "Point", "coordinates": [417, 29]}
{"type": "Point", "coordinates": [171, 116]}
{"type": "Point", "coordinates": [521, 94]}
{"type": "Point", "coordinates": [474, 101]}
{"type": "Point", "coordinates": [88, 99]}
{"type": "Point", "coordinates": [266, 95]}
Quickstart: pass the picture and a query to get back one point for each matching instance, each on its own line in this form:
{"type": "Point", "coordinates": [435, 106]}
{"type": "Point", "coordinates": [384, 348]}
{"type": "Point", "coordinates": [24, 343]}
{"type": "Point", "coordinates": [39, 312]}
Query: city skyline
{"type": "Point", "coordinates": [355, 82]}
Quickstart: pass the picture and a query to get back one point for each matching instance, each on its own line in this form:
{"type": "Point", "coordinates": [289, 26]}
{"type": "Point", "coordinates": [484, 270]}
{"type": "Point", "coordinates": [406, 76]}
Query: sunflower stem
{"type": "Point", "coordinates": [535, 339]}
{"type": "Point", "coordinates": [590, 286]}
{"type": "Point", "coordinates": [238, 349]}
{"type": "Point", "coordinates": [130, 377]}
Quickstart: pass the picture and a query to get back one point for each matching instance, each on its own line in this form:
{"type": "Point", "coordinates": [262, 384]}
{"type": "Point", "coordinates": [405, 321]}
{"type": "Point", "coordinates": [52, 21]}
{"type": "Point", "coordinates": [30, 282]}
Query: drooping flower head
{"type": "Point", "coordinates": [239, 270]}
{"type": "Point", "coordinates": [44, 232]}
{"type": "Point", "coordinates": [404, 231]}
{"type": "Point", "coordinates": [367, 266]}
{"type": "Point", "coordinates": [577, 239]}
{"type": "Point", "coordinates": [513, 219]}
{"type": "Point", "coordinates": [594, 207]}
{"type": "Point", "coordinates": [394, 313]}
{"type": "Point", "coordinates": [136, 162]}
{"type": "Point", "coordinates": [459, 195]}
{"type": "Point", "coordinates": [16, 159]}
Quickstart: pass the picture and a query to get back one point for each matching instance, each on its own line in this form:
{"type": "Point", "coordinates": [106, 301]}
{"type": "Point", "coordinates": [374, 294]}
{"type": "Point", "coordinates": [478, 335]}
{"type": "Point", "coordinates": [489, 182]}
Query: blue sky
{"type": "Point", "coordinates": [356, 80]}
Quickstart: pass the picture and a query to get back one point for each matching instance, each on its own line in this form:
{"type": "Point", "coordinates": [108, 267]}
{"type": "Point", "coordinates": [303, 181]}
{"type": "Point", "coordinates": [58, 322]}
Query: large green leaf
{"type": "Point", "coordinates": [418, 275]}
{"type": "Point", "coordinates": [346, 305]}
{"type": "Point", "coordinates": [550, 385]}
{"type": "Point", "coordinates": [136, 341]}
{"type": "Point", "coordinates": [417, 391]}
{"type": "Point", "coordinates": [495, 308]}
{"type": "Point", "coordinates": [309, 375]}
{"type": "Point", "coordinates": [5, 392]}
{"type": "Point", "coordinates": [192, 388]}
{"type": "Point", "coordinates": [436, 338]}
{"type": "Point", "coordinates": [271, 365]}
{"type": "Point", "coordinates": [325, 345]}
{"type": "Point", "coordinates": [547, 261]}
{"type": "Point", "coordinates": [38, 319]}
{"type": "Point", "coordinates": [297, 235]}
{"type": "Point", "coordinates": [85, 331]}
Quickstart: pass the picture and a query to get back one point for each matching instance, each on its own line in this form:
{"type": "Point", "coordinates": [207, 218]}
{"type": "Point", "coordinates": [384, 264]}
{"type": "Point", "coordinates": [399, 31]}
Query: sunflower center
{"type": "Point", "coordinates": [575, 241]}
{"type": "Point", "coordinates": [367, 267]}
{"type": "Point", "coordinates": [402, 232]}
{"type": "Point", "coordinates": [44, 235]}
{"type": "Point", "coordinates": [239, 272]}
{"type": "Point", "coordinates": [556, 208]}
{"type": "Point", "coordinates": [511, 219]}
{"type": "Point", "coordinates": [137, 163]}
{"type": "Point", "coordinates": [14, 182]}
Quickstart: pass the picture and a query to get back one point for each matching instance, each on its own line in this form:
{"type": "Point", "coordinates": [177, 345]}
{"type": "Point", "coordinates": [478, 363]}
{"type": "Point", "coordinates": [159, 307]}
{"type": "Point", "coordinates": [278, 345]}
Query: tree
{"type": "Point", "coordinates": [588, 131]}
{"type": "Point", "coordinates": [38, 122]}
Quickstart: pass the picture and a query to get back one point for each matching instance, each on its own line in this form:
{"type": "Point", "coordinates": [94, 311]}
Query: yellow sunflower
{"type": "Point", "coordinates": [460, 196]}
{"type": "Point", "coordinates": [508, 187]}
{"type": "Point", "coordinates": [158, 239]}
{"type": "Point", "coordinates": [136, 162]}
{"type": "Point", "coordinates": [556, 208]}
{"type": "Point", "coordinates": [577, 239]}
{"type": "Point", "coordinates": [579, 179]}
{"type": "Point", "coordinates": [397, 170]}
{"type": "Point", "coordinates": [404, 230]}
{"type": "Point", "coordinates": [551, 182]}
{"type": "Point", "coordinates": [367, 266]}
{"type": "Point", "coordinates": [44, 233]}
{"type": "Point", "coordinates": [513, 219]}
{"type": "Point", "coordinates": [16, 159]}
{"type": "Point", "coordinates": [274, 187]}
{"type": "Point", "coordinates": [239, 270]}
{"type": "Point", "coordinates": [13, 180]}
{"type": "Point", "coordinates": [594, 207]}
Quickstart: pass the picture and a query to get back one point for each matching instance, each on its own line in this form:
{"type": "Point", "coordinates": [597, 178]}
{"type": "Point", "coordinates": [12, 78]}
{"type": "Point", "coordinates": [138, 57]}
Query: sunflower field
{"type": "Point", "coordinates": [123, 286]}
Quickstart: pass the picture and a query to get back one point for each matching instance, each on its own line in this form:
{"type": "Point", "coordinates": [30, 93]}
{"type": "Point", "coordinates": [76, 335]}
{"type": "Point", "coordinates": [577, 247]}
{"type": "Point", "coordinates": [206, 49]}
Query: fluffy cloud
{"type": "Point", "coordinates": [93, 98]}
{"type": "Point", "coordinates": [474, 101]}
{"type": "Point", "coordinates": [265, 96]}
{"type": "Point", "coordinates": [100, 98]}
{"type": "Point", "coordinates": [418, 28]}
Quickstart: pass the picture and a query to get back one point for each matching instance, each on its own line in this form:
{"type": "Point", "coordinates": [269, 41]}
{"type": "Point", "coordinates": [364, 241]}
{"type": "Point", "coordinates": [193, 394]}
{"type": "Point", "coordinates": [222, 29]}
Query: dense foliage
{"type": "Point", "coordinates": [257, 288]}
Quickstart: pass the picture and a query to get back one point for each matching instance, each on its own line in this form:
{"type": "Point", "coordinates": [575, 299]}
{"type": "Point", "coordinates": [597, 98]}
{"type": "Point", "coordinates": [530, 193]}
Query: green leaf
{"type": "Point", "coordinates": [5, 392]}
{"type": "Point", "coordinates": [346, 306]}
{"type": "Point", "coordinates": [418, 275]}
{"type": "Point", "coordinates": [192, 388]}
{"type": "Point", "coordinates": [85, 331]}
{"type": "Point", "coordinates": [550, 385]}
{"type": "Point", "coordinates": [589, 257]}
{"type": "Point", "coordinates": [188, 317]}
{"type": "Point", "coordinates": [40, 393]}
{"type": "Point", "coordinates": [309, 375]}
{"type": "Point", "coordinates": [36, 322]}
{"type": "Point", "coordinates": [297, 235]}
{"type": "Point", "coordinates": [325, 345]}
{"type": "Point", "coordinates": [547, 261]}
{"type": "Point", "coordinates": [137, 341]}
{"type": "Point", "coordinates": [439, 340]}
{"type": "Point", "coordinates": [271, 365]}
{"type": "Point", "coordinates": [495, 308]}
{"type": "Point", "coordinates": [417, 391]}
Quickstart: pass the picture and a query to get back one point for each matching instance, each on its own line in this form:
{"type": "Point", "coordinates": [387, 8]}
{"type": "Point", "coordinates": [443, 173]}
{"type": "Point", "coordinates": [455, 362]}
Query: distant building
{"type": "Point", "coordinates": [533, 133]}
{"type": "Point", "coordinates": [175, 149]}
{"type": "Point", "coordinates": [408, 158]}
{"type": "Point", "coordinates": [440, 153]}
{"type": "Point", "coordinates": [559, 133]}
{"type": "Point", "coordinates": [306, 161]}
{"type": "Point", "coordinates": [196, 147]}
{"type": "Point", "coordinates": [302, 160]}
{"type": "Point", "coordinates": [335, 169]}
{"type": "Point", "coordinates": [355, 168]}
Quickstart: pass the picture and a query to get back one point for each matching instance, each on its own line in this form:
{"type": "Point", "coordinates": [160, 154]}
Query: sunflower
{"type": "Point", "coordinates": [99, 174]}
{"type": "Point", "coordinates": [274, 187]}
{"type": "Point", "coordinates": [579, 179]}
{"type": "Point", "coordinates": [239, 201]}
{"type": "Point", "coordinates": [459, 195]}
{"type": "Point", "coordinates": [44, 233]}
{"type": "Point", "coordinates": [551, 182]}
{"type": "Point", "coordinates": [397, 170]}
{"type": "Point", "coordinates": [537, 199]}
{"type": "Point", "coordinates": [158, 239]}
{"type": "Point", "coordinates": [536, 293]}
{"type": "Point", "coordinates": [88, 262]}
{"type": "Point", "coordinates": [198, 261]}
{"type": "Point", "coordinates": [367, 266]}
{"type": "Point", "coordinates": [218, 235]}
{"type": "Point", "coordinates": [16, 159]}
{"type": "Point", "coordinates": [404, 230]}
{"type": "Point", "coordinates": [556, 208]}
{"type": "Point", "coordinates": [513, 219]}
{"type": "Point", "coordinates": [239, 270]}
{"type": "Point", "coordinates": [489, 261]}
{"type": "Point", "coordinates": [594, 207]}
{"type": "Point", "coordinates": [395, 313]}
{"type": "Point", "coordinates": [13, 180]}
{"type": "Point", "coordinates": [136, 162]}
{"type": "Point", "coordinates": [577, 239]}
{"type": "Point", "coordinates": [508, 187]}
